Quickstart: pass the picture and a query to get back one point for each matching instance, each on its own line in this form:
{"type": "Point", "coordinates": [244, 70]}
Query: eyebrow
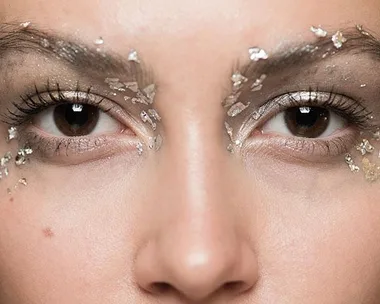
{"type": "Point", "coordinates": [359, 41]}
{"type": "Point", "coordinates": [83, 58]}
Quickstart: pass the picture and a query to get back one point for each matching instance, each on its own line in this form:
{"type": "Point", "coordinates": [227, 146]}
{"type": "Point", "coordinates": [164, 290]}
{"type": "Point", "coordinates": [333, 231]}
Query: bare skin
{"type": "Point", "coordinates": [191, 223]}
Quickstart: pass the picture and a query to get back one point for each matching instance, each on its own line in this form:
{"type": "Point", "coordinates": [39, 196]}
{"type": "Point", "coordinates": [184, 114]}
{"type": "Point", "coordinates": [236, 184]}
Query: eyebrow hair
{"type": "Point", "coordinates": [359, 41]}
{"type": "Point", "coordinates": [83, 58]}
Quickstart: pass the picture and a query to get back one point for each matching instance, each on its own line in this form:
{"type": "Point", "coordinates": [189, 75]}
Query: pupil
{"type": "Point", "coordinates": [76, 119]}
{"type": "Point", "coordinates": [310, 122]}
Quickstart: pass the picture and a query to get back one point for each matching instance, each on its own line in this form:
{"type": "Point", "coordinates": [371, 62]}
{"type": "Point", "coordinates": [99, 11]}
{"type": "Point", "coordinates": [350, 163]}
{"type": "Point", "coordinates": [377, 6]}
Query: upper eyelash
{"type": "Point", "coordinates": [351, 110]}
{"type": "Point", "coordinates": [30, 106]}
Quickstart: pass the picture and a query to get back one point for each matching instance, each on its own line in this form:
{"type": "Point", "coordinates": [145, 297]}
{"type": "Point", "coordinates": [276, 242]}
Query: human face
{"type": "Point", "coordinates": [272, 222]}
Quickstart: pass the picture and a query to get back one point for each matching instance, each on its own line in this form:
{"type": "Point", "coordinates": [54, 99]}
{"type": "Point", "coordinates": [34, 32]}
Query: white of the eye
{"type": "Point", "coordinates": [278, 125]}
{"type": "Point", "coordinates": [105, 124]}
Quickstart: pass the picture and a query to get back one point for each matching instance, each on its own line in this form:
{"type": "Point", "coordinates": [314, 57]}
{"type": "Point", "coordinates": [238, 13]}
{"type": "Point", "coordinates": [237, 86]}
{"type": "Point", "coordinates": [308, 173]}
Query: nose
{"type": "Point", "coordinates": [197, 249]}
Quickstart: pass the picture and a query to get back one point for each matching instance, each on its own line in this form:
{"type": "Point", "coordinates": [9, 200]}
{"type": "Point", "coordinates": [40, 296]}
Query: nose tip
{"type": "Point", "coordinates": [196, 274]}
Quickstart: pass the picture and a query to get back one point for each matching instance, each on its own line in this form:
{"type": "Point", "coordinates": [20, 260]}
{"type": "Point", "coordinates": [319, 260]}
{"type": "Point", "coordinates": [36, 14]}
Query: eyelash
{"type": "Point", "coordinates": [32, 104]}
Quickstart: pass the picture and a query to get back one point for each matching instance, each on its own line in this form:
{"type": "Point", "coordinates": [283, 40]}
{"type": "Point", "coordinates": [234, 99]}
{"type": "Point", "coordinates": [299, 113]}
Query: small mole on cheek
{"type": "Point", "coordinates": [11, 199]}
{"type": "Point", "coordinates": [48, 233]}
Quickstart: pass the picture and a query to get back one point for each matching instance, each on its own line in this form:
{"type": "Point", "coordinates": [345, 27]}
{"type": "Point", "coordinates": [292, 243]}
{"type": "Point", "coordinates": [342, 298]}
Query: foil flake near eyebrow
{"type": "Point", "coordinates": [256, 54]}
{"type": "Point", "coordinates": [338, 39]}
{"type": "Point", "coordinates": [318, 31]}
{"type": "Point", "coordinates": [361, 30]}
{"type": "Point", "coordinates": [99, 41]}
{"type": "Point", "coordinates": [26, 24]}
{"type": "Point", "coordinates": [133, 56]}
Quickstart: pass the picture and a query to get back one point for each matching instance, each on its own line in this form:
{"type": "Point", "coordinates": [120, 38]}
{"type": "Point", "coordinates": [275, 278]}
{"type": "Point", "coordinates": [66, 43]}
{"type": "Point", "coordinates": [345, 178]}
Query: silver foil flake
{"type": "Point", "coordinates": [147, 119]}
{"type": "Point", "coordinates": [360, 28]}
{"type": "Point", "coordinates": [231, 99]}
{"type": "Point", "coordinates": [365, 147]}
{"type": "Point", "coordinates": [256, 115]}
{"type": "Point", "coordinates": [23, 181]}
{"type": "Point", "coordinates": [156, 143]}
{"type": "Point", "coordinates": [338, 39]}
{"type": "Point", "coordinates": [115, 84]}
{"type": "Point", "coordinates": [133, 56]}
{"type": "Point", "coordinates": [318, 31]}
{"type": "Point", "coordinates": [5, 160]}
{"type": "Point", "coordinates": [22, 155]}
{"type": "Point", "coordinates": [350, 162]}
{"type": "Point", "coordinates": [376, 135]}
{"type": "Point", "coordinates": [45, 43]}
{"type": "Point", "coordinates": [257, 85]}
{"type": "Point", "coordinates": [237, 81]}
{"type": "Point", "coordinates": [150, 92]}
{"type": "Point", "coordinates": [154, 115]}
{"type": "Point", "coordinates": [256, 54]}
{"type": "Point", "coordinates": [230, 148]}
{"type": "Point", "coordinates": [237, 108]}
{"type": "Point", "coordinates": [140, 148]}
{"type": "Point", "coordinates": [25, 24]}
{"type": "Point", "coordinates": [229, 129]}
{"type": "Point", "coordinates": [132, 86]}
{"type": "Point", "coordinates": [12, 134]}
{"type": "Point", "coordinates": [99, 41]}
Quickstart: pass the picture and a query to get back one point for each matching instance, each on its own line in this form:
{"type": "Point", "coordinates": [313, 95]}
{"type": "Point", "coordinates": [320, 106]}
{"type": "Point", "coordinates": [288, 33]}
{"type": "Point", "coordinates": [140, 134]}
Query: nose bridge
{"type": "Point", "coordinates": [196, 249]}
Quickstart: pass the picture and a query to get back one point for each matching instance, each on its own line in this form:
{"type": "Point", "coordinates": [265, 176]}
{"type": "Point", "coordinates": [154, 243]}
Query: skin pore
{"type": "Point", "coordinates": [190, 223]}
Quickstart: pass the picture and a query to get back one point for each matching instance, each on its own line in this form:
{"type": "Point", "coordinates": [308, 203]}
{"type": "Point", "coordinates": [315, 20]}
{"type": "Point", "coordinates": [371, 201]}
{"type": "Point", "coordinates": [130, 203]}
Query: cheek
{"type": "Point", "coordinates": [325, 242]}
{"type": "Point", "coordinates": [56, 237]}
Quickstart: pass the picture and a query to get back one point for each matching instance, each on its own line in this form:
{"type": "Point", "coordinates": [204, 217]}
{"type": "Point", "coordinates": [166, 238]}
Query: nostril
{"type": "Point", "coordinates": [160, 287]}
{"type": "Point", "coordinates": [235, 287]}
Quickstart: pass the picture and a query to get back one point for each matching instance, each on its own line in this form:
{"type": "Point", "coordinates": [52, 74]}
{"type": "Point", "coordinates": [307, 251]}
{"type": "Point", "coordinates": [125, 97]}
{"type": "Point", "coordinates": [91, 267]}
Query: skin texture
{"type": "Point", "coordinates": [191, 223]}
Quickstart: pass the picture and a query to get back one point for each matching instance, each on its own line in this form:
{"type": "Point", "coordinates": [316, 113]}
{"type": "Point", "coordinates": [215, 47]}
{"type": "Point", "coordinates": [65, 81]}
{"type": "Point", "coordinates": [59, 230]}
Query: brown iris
{"type": "Point", "coordinates": [76, 119]}
{"type": "Point", "coordinates": [310, 122]}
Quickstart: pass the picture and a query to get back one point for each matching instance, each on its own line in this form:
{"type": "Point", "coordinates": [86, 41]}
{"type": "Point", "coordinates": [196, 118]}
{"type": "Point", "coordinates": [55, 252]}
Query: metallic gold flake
{"type": "Point", "coordinates": [365, 147]}
{"type": "Point", "coordinates": [23, 181]}
{"type": "Point", "coordinates": [360, 28]}
{"type": "Point", "coordinates": [237, 108]}
{"type": "Point", "coordinates": [22, 155]}
{"type": "Point", "coordinates": [256, 54]}
{"type": "Point", "coordinates": [338, 39]}
{"type": "Point", "coordinates": [318, 31]}
{"type": "Point", "coordinates": [371, 171]}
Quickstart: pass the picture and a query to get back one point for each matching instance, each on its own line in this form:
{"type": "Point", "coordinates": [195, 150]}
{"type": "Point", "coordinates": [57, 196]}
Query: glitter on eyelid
{"type": "Point", "coordinates": [133, 86]}
{"type": "Point", "coordinates": [318, 31]}
{"type": "Point", "coordinates": [365, 147]}
{"type": "Point", "coordinates": [150, 92]}
{"type": "Point", "coordinates": [231, 99]}
{"type": "Point", "coordinates": [338, 39]}
{"type": "Point", "coordinates": [155, 142]}
{"type": "Point", "coordinates": [257, 114]}
{"type": "Point", "coordinates": [256, 54]}
{"type": "Point", "coordinates": [237, 108]}
{"type": "Point", "coordinates": [154, 115]}
{"type": "Point", "coordinates": [133, 56]}
{"type": "Point", "coordinates": [12, 134]}
{"type": "Point", "coordinates": [258, 84]}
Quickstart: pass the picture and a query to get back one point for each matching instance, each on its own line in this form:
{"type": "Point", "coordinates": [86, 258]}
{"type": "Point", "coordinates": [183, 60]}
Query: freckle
{"type": "Point", "coordinates": [11, 199]}
{"type": "Point", "coordinates": [48, 233]}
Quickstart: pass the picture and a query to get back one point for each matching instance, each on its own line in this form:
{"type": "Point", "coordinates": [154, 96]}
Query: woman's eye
{"type": "Point", "coordinates": [307, 122]}
{"type": "Point", "coordinates": [76, 120]}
